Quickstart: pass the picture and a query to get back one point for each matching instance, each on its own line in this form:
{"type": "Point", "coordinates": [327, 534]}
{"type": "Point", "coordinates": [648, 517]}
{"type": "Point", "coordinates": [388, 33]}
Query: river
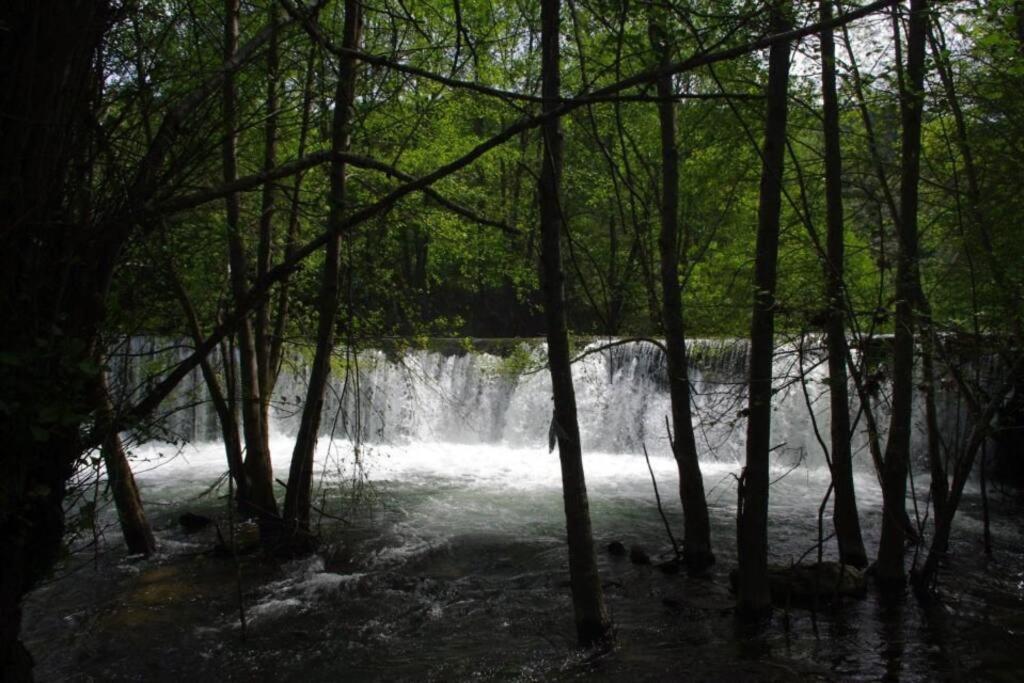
{"type": "Point", "coordinates": [443, 552]}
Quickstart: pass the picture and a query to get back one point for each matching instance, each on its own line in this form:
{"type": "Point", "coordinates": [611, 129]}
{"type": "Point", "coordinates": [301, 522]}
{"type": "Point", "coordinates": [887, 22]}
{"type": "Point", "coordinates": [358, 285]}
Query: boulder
{"type": "Point", "coordinates": [637, 555]}
{"type": "Point", "coordinates": [822, 581]}
{"type": "Point", "coordinates": [192, 522]}
{"type": "Point", "coordinates": [670, 566]}
{"type": "Point", "coordinates": [803, 585]}
{"type": "Point", "coordinates": [616, 549]}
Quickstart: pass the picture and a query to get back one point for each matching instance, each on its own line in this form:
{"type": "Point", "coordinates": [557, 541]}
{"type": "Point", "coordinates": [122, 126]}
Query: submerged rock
{"type": "Point", "coordinates": [191, 522]}
{"type": "Point", "coordinates": [637, 555]}
{"type": "Point", "coordinates": [806, 584]}
{"type": "Point", "coordinates": [822, 581]}
{"type": "Point", "coordinates": [616, 549]}
{"type": "Point", "coordinates": [670, 567]}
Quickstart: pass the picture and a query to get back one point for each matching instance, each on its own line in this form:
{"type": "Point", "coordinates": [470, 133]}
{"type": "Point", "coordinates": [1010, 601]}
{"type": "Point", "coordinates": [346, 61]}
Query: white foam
{"type": "Point", "coordinates": [271, 609]}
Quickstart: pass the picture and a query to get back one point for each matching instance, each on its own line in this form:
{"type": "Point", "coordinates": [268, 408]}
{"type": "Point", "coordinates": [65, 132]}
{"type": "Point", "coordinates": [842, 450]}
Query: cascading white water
{"type": "Point", "coordinates": [460, 439]}
{"type": "Point", "coordinates": [426, 396]}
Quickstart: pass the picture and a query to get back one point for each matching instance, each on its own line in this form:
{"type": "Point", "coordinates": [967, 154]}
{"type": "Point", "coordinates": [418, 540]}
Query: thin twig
{"type": "Point", "coordinates": [815, 547]}
{"type": "Point", "coordinates": [657, 498]}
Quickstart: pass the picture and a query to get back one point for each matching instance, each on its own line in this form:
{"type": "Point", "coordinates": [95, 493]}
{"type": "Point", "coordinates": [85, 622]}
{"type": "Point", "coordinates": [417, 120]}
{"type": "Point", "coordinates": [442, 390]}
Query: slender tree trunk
{"type": "Point", "coordinates": [986, 518]}
{"type": "Point", "coordinates": [222, 405]}
{"type": "Point", "coordinates": [962, 468]}
{"type": "Point", "coordinates": [266, 371]}
{"type": "Point", "coordinates": [138, 535]}
{"type": "Point", "coordinates": [939, 486]}
{"type": "Point", "coordinates": [1018, 11]}
{"type": "Point", "coordinates": [981, 222]}
{"type": "Point", "coordinates": [891, 572]}
{"type": "Point", "coordinates": [753, 598]}
{"type": "Point", "coordinates": [926, 333]}
{"type": "Point", "coordinates": [260, 501]}
{"type": "Point", "coordinates": [592, 622]}
{"type": "Point", "coordinates": [939, 479]}
{"type": "Point", "coordinates": [697, 528]}
{"type": "Point", "coordinates": [847, 523]}
{"type": "Point", "coordinates": [300, 476]}
{"type": "Point", "coordinates": [281, 315]}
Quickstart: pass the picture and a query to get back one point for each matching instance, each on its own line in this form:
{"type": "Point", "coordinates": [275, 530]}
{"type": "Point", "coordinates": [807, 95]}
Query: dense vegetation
{"type": "Point", "coordinates": [452, 271]}
{"type": "Point", "coordinates": [277, 174]}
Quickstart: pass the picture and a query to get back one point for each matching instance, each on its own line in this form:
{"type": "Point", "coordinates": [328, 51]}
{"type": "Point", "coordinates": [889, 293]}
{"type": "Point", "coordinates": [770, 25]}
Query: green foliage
{"type": "Point", "coordinates": [421, 270]}
{"type": "Point", "coordinates": [520, 361]}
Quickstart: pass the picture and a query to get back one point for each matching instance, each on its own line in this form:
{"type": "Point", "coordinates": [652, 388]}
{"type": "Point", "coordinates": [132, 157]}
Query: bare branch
{"type": "Point", "coordinates": [304, 163]}
{"type": "Point", "coordinates": [605, 94]}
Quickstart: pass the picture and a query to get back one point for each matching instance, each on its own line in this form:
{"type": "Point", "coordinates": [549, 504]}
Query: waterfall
{"type": "Point", "coordinates": [487, 397]}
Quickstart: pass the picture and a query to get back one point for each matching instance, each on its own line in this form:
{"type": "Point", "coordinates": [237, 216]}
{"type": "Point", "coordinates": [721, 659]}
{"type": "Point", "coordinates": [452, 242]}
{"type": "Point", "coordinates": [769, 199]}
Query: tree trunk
{"type": "Point", "coordinates": [300, 475]}
{"type": "Point", "coordinates": [753, 598]}
{"type": "Point", "coordinates": [939, 478]}
{"type": "Point", "coordinates": [138, 535]}
{"type": "Point", "coordinates": [891, 572]}
{"type": "Point", "coordinates": [592, 622]}
{"type": "Point", "coordinates": [697, 528]}
{"type": "Point", "coordinates": [260, 501]}
{"type": "Point", "coordinates": [266, 372]}
{"type": "Point", "coordinates": [281, 315]}
{"type": "Point", "coordinates": [222, 404]}
{"type": "Point", "coordinates": [878, 164]}
{"type": "Point", "coordinates": [53, 277]}
{"type": "Point", "coordinates": [981, 430]}
{"type": "Point", "coordinates": [1018, 12]}
{"type": "Point", "coordinates": [847, 523]}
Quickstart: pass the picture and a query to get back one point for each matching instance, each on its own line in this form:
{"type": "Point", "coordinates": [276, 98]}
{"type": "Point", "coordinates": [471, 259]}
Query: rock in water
{"type": "Point", "coordinates": [616, 549]}
{"type": "Point", "coordinates": [804, 585]}
{"type": "Point", "coordinates": [192, 522]}
{"type": "Point", "coordinates": [637, 555]}
{"type": "Point", "coordinates": [670, 567]}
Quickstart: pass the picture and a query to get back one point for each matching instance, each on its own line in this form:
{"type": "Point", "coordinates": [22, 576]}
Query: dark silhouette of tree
{"type": "Point", "coordinates": [847, 523]}
{"type": "Point", "coordinates": [753, 598]}
{"type": "Point", "coordinates": [592, 622]}
{"type": "Point", "coordinates": [891, 572]}
{"type": "Point", "coordinates": [300, 477]}
{"type": "Point", "coordinates": [697, 530]}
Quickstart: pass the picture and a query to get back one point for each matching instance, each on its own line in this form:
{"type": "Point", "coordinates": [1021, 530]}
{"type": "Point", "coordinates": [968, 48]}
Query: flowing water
{"type": "Point", "coordinates": [444, 557]}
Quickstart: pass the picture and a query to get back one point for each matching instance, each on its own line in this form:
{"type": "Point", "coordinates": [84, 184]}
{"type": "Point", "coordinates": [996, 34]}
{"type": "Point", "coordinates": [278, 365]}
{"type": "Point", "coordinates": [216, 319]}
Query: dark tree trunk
{"type": "Point", "coordinates": [592, 622]}
{"type": "Point", "coordinates": [300, 475]}
{"type": "Point", "coordinates": [986, 519]}
{"type": "Point", "coordinates": [753, 599]}
{"type": "Point", "coordinates": [939, 478]}
{"type": "Point", "coordinates": [962, 468]}
{"type": "Point", "coordinates": [891, 572]}
{"type": "Point", "coordinates": [1018, 11]}
{"type": "Point", "coordinates": [138, 535]}
{"type": "Point", "coordinates": [847, 523]}
{"type": "Point", "coordinates": [697, 528]}
{"type": "Point", "coordinates": [53, 277]}
{"type": "Point", "coordinates": [281, 314]}
{"type": "Point", "coordinates": [260, 501]}
{"type": "Point", "coordinates": [980, 223]}
{"type": "Point", "coordinates": [223, 405]}
{"type": "Point", "coordinates": [266, 371]}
